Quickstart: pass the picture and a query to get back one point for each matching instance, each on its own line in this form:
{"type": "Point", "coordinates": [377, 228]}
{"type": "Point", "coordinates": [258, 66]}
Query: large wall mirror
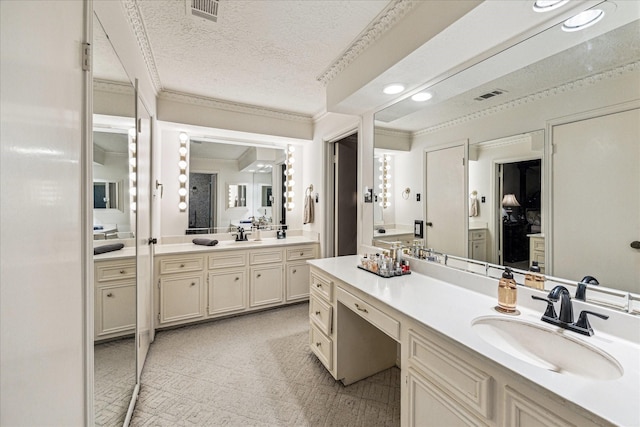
{"type": "Point", "coordinates": [550, 134]}
{"type": "Point", "coordinates": [233, 185]}
{"type": "Point", "coordinates": [114, 221]}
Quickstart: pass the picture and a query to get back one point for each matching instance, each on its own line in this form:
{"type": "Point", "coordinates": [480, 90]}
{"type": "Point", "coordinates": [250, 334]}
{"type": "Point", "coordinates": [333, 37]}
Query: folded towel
{"type": "Point", "coordinates": [308, 210]}
{"type": "Point", "coordinates": [98, 227]}
{"type": "Point", "coordinates": [107, 248]}
{"type": "Point", "coordinates": [205, 242]}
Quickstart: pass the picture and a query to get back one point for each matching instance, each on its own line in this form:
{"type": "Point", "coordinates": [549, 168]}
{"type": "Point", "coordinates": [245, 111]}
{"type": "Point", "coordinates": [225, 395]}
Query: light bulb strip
{"type": "Point", "coordinates": [133, 172]}
{"type": "Point", "coordinates": [182, 168]}
{"type": "Point", "coordinates": [386, 184]}
{"type": "Point", "coordinates": [289, 178]}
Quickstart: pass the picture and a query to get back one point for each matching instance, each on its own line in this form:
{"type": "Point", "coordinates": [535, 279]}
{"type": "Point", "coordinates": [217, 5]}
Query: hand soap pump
{"type": "Point", "coordinates": [507, 293]}
{"type": "Point", "coordinates": [533, 278]}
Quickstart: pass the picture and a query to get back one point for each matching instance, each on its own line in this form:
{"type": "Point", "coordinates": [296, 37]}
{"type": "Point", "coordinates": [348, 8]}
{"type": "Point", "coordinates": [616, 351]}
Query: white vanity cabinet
{"type": "Point", "coordinates": [478, 244]}
{"type": "Point", "coordinates": [115, 298]}
{"type": "Point", "coordinates": [223, 282]}
{"type": "Point", "coordinates": [181, 289]}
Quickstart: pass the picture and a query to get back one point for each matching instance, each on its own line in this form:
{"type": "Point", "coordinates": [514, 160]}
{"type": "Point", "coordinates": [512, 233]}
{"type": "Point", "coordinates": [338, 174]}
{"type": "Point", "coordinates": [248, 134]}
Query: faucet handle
{"type": "Point", "coordinates": [583, 321]}
{"type": "Point", "coordinates": [550, 312]}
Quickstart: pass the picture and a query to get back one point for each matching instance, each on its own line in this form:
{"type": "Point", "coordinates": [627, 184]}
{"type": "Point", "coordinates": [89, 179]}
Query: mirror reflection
{"type": "Point", "coordinates": [550, 126]}
{"type": "Point", "coordinates": [233, 185]}
{"type": "Point", "coordinates": [115, 300]}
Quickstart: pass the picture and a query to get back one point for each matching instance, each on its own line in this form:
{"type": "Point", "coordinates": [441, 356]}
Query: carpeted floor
{"type": "Point", "coordinates": [114, 380]}
{"type": "Point", "coordinates": [255, 370]}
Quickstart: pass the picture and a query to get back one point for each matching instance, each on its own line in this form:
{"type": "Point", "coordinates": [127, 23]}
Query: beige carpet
{"type": "Point", "coordinates": [114, 380]}
{"type": "Point", "coordinates": [255, 370]}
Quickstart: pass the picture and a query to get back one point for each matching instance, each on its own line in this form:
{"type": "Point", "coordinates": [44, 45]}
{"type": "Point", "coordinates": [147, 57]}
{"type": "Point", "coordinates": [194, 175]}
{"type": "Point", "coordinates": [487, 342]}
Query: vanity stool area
{"type": "Point", "coordinates": [426, 323]}
{"type": "Point", "coordinates": [195, 283]}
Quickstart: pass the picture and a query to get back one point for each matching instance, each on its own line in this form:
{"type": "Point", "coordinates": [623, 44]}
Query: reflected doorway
{"type": "Point", "coordinates": [345, 172]}
{"type": "Point", "coordinates": [520, 193]}
{"type": "Point", "coordinates": [203, 196]}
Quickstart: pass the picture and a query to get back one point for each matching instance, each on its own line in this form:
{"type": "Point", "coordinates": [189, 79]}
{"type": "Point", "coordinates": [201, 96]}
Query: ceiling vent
{"type": "Point", "coordinates": [207, 9]}
{"type": "Point", "coordinates": [491, 94]}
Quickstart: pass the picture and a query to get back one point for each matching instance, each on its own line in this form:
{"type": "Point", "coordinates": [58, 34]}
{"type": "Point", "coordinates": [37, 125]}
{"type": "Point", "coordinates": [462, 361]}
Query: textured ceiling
{"type": "Point", "coordinates": [266, 53]}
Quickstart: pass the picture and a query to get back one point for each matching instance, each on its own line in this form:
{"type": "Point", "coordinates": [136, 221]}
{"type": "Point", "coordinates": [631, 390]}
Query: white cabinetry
{"type": "Point", "coordinates": [478, 244]}
{"type": "Point", "coordinates": [225, 282]}
{"type": "Point", "coordinates": [536, 250]}
{"type": "Point", "coordinates": [115, 298]}
{"type": "Point", "coordinates": [321, 314]}
{"type": "Point", "coordinates": [449, 385]}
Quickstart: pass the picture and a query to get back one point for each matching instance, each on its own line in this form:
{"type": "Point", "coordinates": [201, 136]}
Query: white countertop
{"type": "Point", "coordinates": [182, 248]}
{"type": "Point", "coordinates": [391, 232]}
{"type": "Point", "coordinates": [450, 309]}
{"type": "Point", "coordinates": [126, 252]}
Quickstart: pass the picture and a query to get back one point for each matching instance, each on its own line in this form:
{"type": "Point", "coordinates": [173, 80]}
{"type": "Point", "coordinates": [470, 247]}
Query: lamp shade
{"type": "Point", "coordinates": [509, 200]}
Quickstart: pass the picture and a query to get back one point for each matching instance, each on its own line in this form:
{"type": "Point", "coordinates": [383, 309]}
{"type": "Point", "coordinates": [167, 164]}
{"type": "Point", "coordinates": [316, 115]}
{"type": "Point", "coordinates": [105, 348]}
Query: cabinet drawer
{"type": "Point", "coordinates": [302, 252]}
{"type": "Point", "coordinates": [538, 245]}
{"type": "Point", "coordinates": [322, 286]}
{"type": "Point", "coordinates": [320, 314]}
{"type": "Point", "coordinates": [385, 323]}
{"type": "Point", "coordinates": [322, 346]}
{"type": "Point", "coordinates": [462, 380]}
{"type": "Point", "coordinates": [180, 265]}
{"type": "Point", "coordinates": [227, 260]}
{"type": "Point", "coordinates": [477, 234]}
{"type": "Point", "coordinates": [265, 256]}
{"type": "Point", "coordinates": [110, 272]}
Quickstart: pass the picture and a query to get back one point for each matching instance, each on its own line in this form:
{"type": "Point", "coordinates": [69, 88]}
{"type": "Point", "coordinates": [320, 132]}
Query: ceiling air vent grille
{"type": "Point", "coordinates": [491, 94]}
{"type": "Point", "coordinates": [207, 9]}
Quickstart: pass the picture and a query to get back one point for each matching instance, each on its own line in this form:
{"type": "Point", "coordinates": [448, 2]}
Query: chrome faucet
{"type": "Point", "coordinates": [565, 319]}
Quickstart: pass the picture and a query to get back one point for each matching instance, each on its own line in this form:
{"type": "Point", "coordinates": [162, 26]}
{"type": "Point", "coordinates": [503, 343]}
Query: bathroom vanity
{"type": "Point", "coordinates": [115, 294]}
{"type": "Point", "coordinates": [433, 324]}
{"type": "Point", "coordinates": [195, 283]}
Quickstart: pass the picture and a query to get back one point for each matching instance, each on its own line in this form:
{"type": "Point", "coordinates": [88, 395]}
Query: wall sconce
{"type": "Point", "coordinates": [509, 202]}
{"type": "Point", "coordinates": [289, 177]}
{"type": "Point", "coordinates": [182, 167]}
{"type": "Point", "coordinates": [385, 178]}
{"type": "Point", "coordinates": [133, 169]}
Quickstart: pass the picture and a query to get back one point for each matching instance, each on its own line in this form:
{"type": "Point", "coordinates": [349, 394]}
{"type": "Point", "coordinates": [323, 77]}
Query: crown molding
{"type": "Point", "coordinates": [203, 101]}
{"type": "Point", "coordinates": [389, 17]}
{"type": "Point", "coordinates": [112, 86]}
{"type": "Point", "coordinates": [557, 90]}
{"type": "Point", "coordinates": [392, 132]}
{"type": "Point", "coordinates": [137, 25]}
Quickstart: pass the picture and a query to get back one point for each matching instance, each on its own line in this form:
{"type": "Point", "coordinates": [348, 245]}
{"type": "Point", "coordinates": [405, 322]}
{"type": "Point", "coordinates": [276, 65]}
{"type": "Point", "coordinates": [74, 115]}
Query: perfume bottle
{"type": "Point", "coordinates": [507, 292]}
{"type": "Point", "coordinates": [533, 278]}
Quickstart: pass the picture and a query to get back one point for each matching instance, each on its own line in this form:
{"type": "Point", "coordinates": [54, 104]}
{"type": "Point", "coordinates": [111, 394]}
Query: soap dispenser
{"type": "Point", "coordinates": [533, 278]}
{"type": "Point", "coordinates": [507, 292]}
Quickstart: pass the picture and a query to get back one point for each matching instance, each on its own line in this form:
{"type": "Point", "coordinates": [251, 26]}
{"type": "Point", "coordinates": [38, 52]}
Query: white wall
{"type": "Point", "coordinates": [43, 211]}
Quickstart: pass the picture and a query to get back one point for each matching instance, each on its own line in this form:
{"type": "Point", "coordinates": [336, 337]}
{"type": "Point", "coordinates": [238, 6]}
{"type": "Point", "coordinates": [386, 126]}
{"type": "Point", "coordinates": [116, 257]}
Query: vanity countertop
{"type": "Point", "coordinates": [392, 232]}
{"type": "Point", "coordinates": [182, 248]}
{"type": "Point", "coordinates": [450, 310]}
{"type": "Point", "coordinates": [126, 252]}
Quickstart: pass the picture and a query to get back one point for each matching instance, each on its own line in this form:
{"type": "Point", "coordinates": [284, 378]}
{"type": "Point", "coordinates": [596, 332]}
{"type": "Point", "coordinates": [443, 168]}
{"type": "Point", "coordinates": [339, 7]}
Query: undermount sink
{"type": "Point", "coordinates": [547, 348]}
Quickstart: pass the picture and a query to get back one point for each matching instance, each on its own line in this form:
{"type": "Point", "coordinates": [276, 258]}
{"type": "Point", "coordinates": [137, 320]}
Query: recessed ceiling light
{"type": "Point", "coordinates": [260, 165]}
{"type": "Point", "coordinates": [393, 89]}
{"type": "Point", "coordinates": [583, 20]}
{"type": "Point", "coordinates": [422, 96]}
{"type": "Point", "coordinates": [547, 5]}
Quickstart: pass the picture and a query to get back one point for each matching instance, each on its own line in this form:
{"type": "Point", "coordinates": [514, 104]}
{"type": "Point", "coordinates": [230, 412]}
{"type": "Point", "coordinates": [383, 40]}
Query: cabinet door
{"type": "Point", "coordinates": [181, 298]}
{"type": "Point", "coordinates": [298, 281]}
{"type": "Point", "coordinates": [116, 309]}
{"type": "Point", "coordinates": [266, 285]}
{"type": "Point", "coordinates": [227, 291]}
{"type": "Point", "coordinates": [430, 406]}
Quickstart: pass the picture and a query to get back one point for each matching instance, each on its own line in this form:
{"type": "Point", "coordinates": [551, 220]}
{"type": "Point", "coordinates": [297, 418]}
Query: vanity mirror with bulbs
{"type": "Point", "coordinates": [544, 137]}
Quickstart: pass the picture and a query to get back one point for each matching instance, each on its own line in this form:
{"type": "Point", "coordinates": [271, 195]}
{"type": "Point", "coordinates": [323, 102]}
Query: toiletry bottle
{"type": "Point", "coordinates": [533, 278]}
{"type": "Point", "coordinates": [507, 292]}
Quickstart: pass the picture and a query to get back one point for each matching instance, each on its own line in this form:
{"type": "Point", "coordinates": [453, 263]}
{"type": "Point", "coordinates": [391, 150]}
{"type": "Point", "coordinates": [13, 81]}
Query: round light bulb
{"type": "Point", "coordinates": [292, 149]}
{"type": "Point", "coordinates": [132, 132]}
{"type": "Point", "coordinates": [182, 206]}
{"type": "Point", "coordinates": [133, 191]}
{"type": "Point", "coordinates": [183, 137]}
{"type": "Point", "coordinates": [290, 171]}
{"type": "Point", "coordinates": [133, 176]}
{"type": "Point", "coordinates": [182, 151]}
{"type": "Point", "coordinates": [132, 161]}
{"type": "Point", "coordinates": [132, 147]}
{"type": "Point", "coordinates": [182, 178]}
{"type": "Point", "coordinates": [182, 191]}
{"type": "Point", "coordinates": [182, 164]}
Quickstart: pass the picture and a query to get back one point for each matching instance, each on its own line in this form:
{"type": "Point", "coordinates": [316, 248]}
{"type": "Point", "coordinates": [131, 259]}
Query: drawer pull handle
{"type": "Point", "coordinates": [360, 308]}
{"type": "Point", "coordinates": [259, 276]}
{"type": "Point", "coordinates": [237, 278]}
{"type": "Point", "coordinates": [317, 313]}
{"type": "Point", "coordinates": [181, 265]}
{"type": "Point", "coordinates": [294, 271]}
{"type": "Point", "coordinates": [301, 253]}
{"type": "Point", "coordinates": [318, 344]}
{"type": "Point", "coordinates": [318, 285]}
{"type": "Point", "coordinates": [110, 295]}
{"type": "Point", "coordinates": [193, 283]}
{"type": "Point", "coordinates": [122, 271]}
